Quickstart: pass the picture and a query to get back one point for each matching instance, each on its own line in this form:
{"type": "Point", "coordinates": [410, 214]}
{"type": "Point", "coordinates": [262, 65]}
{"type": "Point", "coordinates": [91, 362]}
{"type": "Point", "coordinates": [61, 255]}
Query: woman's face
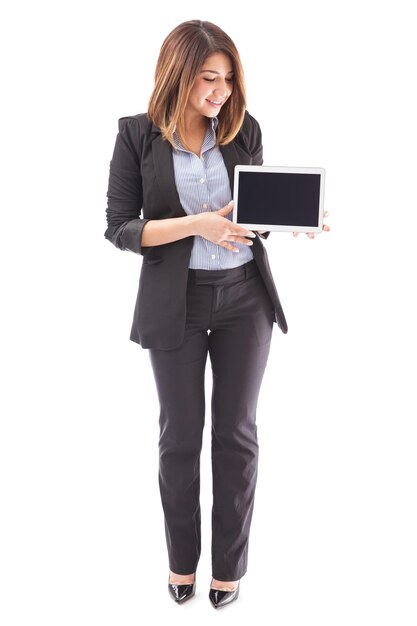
{"type": "Point", "coordinates": [213, 84]}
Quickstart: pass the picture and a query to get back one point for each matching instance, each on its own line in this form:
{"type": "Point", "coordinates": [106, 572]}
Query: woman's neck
{"type": "Point", "coordinates": [195, 125]}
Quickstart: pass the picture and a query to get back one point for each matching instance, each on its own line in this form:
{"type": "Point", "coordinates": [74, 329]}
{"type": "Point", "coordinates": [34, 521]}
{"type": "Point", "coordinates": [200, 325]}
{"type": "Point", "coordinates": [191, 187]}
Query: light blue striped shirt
{"type": "Point", "coordinates": [203, 185]}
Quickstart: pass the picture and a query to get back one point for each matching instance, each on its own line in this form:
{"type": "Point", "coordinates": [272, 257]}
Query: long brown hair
{"type": "Point", "coordinates": [182, 55]}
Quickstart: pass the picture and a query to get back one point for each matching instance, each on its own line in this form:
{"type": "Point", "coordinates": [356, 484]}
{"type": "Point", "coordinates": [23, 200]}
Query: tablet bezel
{"type": "Point", "coordinates": [287, 170]}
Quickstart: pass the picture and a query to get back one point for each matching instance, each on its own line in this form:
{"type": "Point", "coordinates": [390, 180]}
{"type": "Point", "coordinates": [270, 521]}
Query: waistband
{"type": "Point", "coordinates": [223, 277]}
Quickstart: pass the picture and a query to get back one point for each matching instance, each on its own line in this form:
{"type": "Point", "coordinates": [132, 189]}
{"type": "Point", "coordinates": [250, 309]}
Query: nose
{"type": "Point", "coordinates": [222, 93]}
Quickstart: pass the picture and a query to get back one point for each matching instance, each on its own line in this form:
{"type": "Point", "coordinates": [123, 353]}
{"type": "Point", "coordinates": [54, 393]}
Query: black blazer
{"type": "Point", "coordinates": [142, 179]}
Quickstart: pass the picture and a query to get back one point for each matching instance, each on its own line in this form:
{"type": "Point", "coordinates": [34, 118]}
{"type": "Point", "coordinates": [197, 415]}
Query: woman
{"type": "Point", "coordinates": [205, 287]}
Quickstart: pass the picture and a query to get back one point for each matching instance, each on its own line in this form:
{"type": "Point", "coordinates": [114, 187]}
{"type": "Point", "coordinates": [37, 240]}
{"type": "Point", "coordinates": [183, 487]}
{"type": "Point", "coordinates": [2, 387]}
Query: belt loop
{"type": "Point", "coordinates": [246, 271]}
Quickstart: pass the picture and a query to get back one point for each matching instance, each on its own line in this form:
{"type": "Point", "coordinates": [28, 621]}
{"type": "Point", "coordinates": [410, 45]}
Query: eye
{"type": "Point", "coordinates": [211, 80]}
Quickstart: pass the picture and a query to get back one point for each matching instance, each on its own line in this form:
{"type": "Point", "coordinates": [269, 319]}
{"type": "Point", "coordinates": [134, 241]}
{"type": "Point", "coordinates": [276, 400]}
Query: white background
{"type": "Point", "coordinates": [333, 537]}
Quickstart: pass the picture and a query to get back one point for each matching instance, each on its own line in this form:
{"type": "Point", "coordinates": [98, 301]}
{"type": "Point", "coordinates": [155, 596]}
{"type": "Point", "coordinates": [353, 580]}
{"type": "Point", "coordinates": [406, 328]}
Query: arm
{"type": "Point", "coordinates": [158, 232]}
{"type": "Point", "coordinates": [125, 228]}
{"type": "Point", "coordinates": [125, 196]}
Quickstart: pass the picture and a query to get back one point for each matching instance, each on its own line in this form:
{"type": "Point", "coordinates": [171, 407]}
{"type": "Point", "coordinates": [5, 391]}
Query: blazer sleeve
{"type": "Point", "coordinates": [257, 158]}
{"type": "Point", "coordinates": [125, 192]}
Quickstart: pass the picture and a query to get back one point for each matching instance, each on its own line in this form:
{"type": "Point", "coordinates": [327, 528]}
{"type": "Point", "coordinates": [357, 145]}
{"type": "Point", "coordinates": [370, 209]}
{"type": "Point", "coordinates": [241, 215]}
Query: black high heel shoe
{"type": "Point", "coordinates": [220, 598]}
{"type": "Point", "coordinates": [181, 593]}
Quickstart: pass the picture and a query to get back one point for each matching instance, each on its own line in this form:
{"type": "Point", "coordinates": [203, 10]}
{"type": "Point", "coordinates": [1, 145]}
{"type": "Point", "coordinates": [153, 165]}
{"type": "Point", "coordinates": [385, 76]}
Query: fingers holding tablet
{"type": "Point", "coordinates": [311, 235]}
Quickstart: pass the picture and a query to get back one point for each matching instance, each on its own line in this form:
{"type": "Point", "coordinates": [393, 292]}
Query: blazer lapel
{"type": "Point", "coordinates": [164, 170]}
{"type": "Point", "coordinates": [231, 157]}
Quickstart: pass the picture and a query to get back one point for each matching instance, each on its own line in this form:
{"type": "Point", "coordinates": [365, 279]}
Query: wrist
{"type": "Point", "coordinates": [192, 222]}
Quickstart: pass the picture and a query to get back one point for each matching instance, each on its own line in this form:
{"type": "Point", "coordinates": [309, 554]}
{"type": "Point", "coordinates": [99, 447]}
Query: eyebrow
{"type": "Point", "coordinates": [214, 71]}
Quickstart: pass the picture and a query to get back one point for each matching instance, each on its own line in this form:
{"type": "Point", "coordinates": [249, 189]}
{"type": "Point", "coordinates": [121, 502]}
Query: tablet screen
{"type": "Point", "coordinates": [290, 199]}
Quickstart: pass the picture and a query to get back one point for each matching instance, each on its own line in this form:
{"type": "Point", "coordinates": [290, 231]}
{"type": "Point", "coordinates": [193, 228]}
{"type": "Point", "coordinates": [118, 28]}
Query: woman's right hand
{"type": "Point", "coordinates": [215, 227]}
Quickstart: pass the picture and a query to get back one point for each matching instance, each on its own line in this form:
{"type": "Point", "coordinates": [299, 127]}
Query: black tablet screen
{"type": "Point", "coordinates": [288, 199]}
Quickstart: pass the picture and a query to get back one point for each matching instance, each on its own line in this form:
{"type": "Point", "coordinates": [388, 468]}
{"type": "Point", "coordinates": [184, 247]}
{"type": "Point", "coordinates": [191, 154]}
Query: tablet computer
{"type": "Point", "coordinates": [268, 197]}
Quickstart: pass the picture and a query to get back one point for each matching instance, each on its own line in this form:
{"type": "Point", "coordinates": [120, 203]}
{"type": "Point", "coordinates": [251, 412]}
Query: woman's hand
{"type": "Point", "coordinates": [311, 235]}
{"type": "Point", "coordinates": [214, 226]}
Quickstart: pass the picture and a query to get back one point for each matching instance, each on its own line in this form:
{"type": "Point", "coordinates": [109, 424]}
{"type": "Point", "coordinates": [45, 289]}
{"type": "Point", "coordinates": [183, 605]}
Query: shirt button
{"type": "Point", "coordinates": [202, 180]}
{"type": "Point", "coordinates": [205, 206]}
{"type": "Point", "coordinates": [213, 256]}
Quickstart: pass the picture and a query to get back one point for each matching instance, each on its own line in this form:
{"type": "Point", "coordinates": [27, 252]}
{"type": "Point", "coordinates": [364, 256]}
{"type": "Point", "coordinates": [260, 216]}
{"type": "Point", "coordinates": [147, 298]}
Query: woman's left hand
{"type": "Point", "coordinates": [311, 235]}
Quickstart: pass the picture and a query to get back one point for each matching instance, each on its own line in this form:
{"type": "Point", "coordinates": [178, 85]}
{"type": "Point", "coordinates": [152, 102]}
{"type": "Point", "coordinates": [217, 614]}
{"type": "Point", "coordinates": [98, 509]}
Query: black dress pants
{"type": "Point", "coordinates": [231, 316]}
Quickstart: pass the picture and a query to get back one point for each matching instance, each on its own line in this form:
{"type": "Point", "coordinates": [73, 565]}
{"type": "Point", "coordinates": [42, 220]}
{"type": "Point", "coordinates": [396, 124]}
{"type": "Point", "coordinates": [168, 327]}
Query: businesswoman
{"type": "Point", "coordinates": [205, 287]}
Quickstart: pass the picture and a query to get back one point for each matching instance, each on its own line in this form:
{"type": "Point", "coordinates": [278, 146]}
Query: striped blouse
{"type": "Point", "coordinates": [203, 185]}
